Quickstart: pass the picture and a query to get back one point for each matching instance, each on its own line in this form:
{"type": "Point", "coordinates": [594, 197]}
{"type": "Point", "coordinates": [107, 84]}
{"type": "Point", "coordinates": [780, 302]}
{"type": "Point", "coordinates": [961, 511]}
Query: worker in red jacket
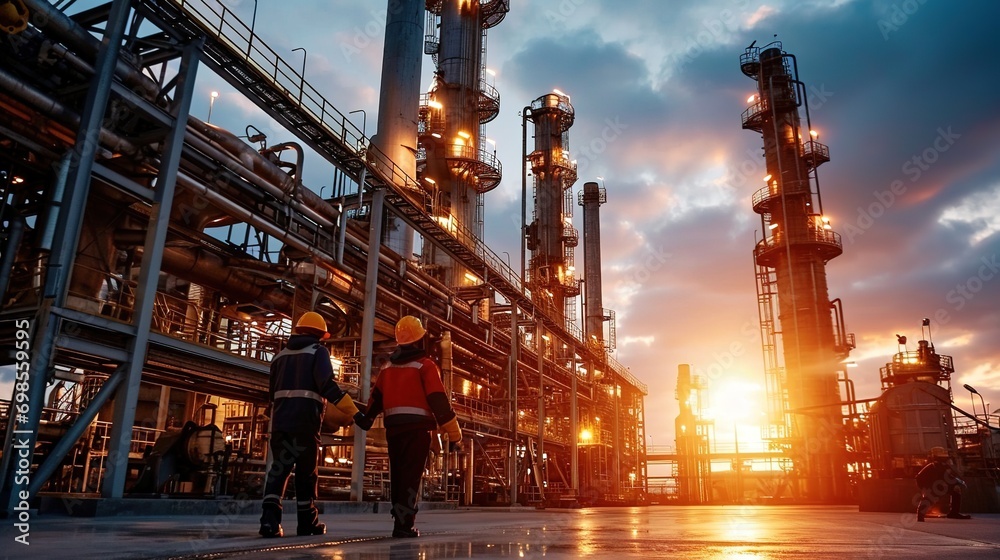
{"type": "Point", "coordinates": [301, 383]}
{"type": "Point", "coordinates": [938, 479]}
{"type": "Point", "coordinates": [410, 393]}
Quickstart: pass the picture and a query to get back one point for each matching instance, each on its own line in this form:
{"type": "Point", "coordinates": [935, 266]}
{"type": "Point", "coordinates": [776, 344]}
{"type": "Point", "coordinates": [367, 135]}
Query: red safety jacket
{"type": "Point", "coordinates": [410, 393]}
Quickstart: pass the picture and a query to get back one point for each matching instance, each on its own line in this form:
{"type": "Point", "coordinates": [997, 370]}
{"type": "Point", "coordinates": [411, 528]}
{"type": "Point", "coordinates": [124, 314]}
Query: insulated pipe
{"type": "Point", "coordinates": [59, 24]}
{"type": "Point", "coordinates": [249, 173]}
{"type": "Point", "coordinates": [271, 177]}
{"type": "Point", "coordinates": [299, 158]}
{"type": "Point", "coordinates": [55, 50]}
{"type": "Point", "coordinates": [48, 231]}
{"type": "Point", "coordinates": [209, 270]}
{"type": "Point", "coordinates": [59, 112]}
{"type": "Point", "coordinates": [15, 232]}
{"type": "Point", "coordinates": [249, 217]}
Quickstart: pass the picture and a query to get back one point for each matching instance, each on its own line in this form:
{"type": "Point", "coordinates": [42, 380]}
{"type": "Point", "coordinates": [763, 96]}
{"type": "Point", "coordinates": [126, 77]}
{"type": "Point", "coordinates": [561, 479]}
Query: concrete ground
{"type": "Point", "coordinates": [710, 532]}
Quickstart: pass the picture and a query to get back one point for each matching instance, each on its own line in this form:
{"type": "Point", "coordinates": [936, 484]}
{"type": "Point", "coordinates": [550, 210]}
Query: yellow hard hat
{"type": "Point", "coordinates": [409, 329]}
{"type": "Point", "coordinates": [313, 321]}
{"type": "Point", "coordinates": [939, 452]}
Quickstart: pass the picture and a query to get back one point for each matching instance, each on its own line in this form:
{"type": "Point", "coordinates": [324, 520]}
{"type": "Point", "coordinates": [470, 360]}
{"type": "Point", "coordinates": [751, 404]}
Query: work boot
{"type": "Point", "coordinates": [308, 517]}
{"type": "Point", "coordinates": [401, 532]}
{"type": "Point", "coordinates": [956, 515]}
{"type": "Point", "coordinates": [402, 526]}
{"type": "Point", "coordinates": [270, 519]}
{"type": "Point", "coordinates": [270, 530]}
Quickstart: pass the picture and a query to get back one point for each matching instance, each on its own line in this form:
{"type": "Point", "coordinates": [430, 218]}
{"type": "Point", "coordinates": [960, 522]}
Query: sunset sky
{"type": "Point", "coordinates": [904, 91]}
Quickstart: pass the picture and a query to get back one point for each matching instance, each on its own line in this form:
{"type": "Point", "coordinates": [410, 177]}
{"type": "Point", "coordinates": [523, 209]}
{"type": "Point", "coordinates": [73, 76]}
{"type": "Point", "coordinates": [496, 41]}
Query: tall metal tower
{"type": "Point", "coordinates": [551, 236]}
{"type": "Point", "coordinates": [453, 161]}
{"type": "Point", "coordinates": [804, 397]}
{"type": "Point", "coordinates": [694, 440]}
{"type": "Point", "coordinates": [591, 198]}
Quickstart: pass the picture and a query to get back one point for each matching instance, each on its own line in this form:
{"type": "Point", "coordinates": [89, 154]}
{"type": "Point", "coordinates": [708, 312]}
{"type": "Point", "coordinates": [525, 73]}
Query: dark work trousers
{"type": "Point", "coordinates": [288, 449]}
{"type": "Point", "coordinates": [408, 451]}
{"type": "Point", "coordinates": [951, 492]}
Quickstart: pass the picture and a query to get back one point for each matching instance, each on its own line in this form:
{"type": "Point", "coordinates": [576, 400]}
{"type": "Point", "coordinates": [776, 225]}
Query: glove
{"type": "Point", "coordinates": [346, 405]}
{"type": "Point", "coordinates": [453, 430]}
{"type": "Point", "coordinates": [363, 421]}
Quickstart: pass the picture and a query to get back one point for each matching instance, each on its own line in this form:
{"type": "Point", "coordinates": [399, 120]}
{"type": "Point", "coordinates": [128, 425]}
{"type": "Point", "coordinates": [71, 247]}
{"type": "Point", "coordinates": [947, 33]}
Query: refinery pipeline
{"type": "Point", "coordinates": [152, 265]}
{"type": "Point", "coordinates": [160, 261]}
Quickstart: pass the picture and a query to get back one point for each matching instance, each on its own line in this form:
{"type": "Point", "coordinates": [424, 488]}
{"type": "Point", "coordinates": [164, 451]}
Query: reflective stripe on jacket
{"type": "Point", "coordinates": [301, 383]}
{"type": "Point", "coordinates": [410, 393]}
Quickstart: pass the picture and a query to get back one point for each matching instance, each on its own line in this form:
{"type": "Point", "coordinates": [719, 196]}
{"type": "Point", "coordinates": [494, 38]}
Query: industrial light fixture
{"type": "Point", "coordinates": [434, 104]}
{"type": "Point", "coordinates": [814, 134]}
{"type": "Point", "coordinates": [986, 412]}
{"type": "Point", "coordinates": [429, 180]}
{"type": "Point", "coordinates": [751, 98]}
{"type": "Point", "coordinates": [435, 135]}
{"type": "Point", "coordinates": [767, 177]}
{"type": "Point", "coordinates": [464, 134]}
{"type": "Point", "coordinates": [772, 226]}
{"type": "Point", "coordinates": [211, 104]}
{"type": "Point", "coordinates": [557, 92]}
{"type": "Point", "coordinates": [471, 277]}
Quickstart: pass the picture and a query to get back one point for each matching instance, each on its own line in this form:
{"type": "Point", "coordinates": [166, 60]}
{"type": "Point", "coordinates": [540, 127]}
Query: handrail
{"type": "Point", "coordinates": [220, 21]}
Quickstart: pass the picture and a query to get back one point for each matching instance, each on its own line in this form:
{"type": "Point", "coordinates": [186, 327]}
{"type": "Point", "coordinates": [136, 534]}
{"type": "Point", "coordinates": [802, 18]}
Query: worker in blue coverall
{"type": "Point", "coordinates": [301, 383]}
{"type": "Point", "coordinates": [410, 393]}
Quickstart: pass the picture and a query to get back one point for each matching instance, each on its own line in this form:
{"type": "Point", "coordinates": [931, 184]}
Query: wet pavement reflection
{"type": "Point", "coordinates": [700, 533]}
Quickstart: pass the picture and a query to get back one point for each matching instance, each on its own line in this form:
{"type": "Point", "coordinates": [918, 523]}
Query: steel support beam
{"type": "Point", "coordinates": [76, 431]}
{"type": "Point", "coordinates": [152, 256]}
{"type": "Point", "coordinates": [45, 327]}
{"type": "Point", "coordinates": [367, 336]}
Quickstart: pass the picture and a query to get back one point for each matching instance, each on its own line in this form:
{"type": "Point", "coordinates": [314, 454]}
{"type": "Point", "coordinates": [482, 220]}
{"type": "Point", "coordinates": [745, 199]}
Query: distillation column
{"type": "Point", "coordinates": [791, 264]}
{"type": "Point", "coordinates": [457, 168]}
{"type": "Point", "coordinates": [397, 113]}
{"type": "Point", "coordinates": [591, 198]}
{"type": "Point", "coordinates": [691, 433]}
{"type": "Point", "coordinates": [551, 235]}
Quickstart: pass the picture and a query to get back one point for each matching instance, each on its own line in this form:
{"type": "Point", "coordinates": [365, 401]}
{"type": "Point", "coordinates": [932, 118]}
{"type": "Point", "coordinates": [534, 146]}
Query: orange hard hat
{"type": "Point", "coordinates": [409, 329]}
{"type": "Point", "coordinates": [313, 321]}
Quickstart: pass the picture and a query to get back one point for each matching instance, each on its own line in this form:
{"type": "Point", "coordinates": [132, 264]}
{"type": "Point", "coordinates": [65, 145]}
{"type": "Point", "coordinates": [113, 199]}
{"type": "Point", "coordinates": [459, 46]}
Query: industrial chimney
{"type": "Point", "coordinates": [591, 198]}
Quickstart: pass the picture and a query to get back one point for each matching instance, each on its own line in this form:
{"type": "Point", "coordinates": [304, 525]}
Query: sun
{"type": "Point", "coordinates": [738, 406]}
